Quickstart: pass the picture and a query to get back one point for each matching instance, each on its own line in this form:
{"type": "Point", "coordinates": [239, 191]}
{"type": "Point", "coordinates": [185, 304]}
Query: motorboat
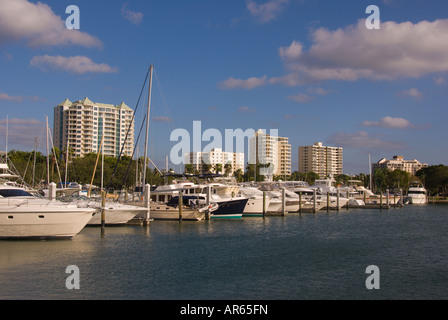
{"type": "Point", "coordinates": [255, 204]}
{"type": "Point", "coordinates": [313, 203]}
{"type": "Point", "coordinates": [230, 206]}
{"type": "Point", "coordinates": [23, 215]}
{"type": "Point", "coordinates": [417, 194]}
{"type": "Point", "coordinates": [274, 190]}
{"type": "Point", "coordinates": [193, 208]}
{"type": "Point", "coordinates": [329, 194]}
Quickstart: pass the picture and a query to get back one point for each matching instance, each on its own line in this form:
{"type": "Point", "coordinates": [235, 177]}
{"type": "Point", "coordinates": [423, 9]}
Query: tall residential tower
{"type": "Point", "coordinates": [320, 159]}
{"type": "Point", "coordinates": [83, 124]}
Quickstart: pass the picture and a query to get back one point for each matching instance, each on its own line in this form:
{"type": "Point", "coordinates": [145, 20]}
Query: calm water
{"type": "Point", "coordinates": [308, 256]}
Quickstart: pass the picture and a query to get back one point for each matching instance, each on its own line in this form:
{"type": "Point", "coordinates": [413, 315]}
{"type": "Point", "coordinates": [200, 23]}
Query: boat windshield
{"type": "Point", "coordinates": [6, 193]}
{"type": "Point", "coordinates": [416, 192]}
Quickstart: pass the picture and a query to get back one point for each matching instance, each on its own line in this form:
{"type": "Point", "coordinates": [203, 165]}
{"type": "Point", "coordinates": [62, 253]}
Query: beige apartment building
{"type": "Point", "coordinates": [213, 157]}
{"type": "Point", "coordinates": [270, 149]}
{"type": "Point", "coordinates": [83, 123]}
{"type": "Point", "coordinates": [320, 159]}
{"type": "Point", "coordinates": [398, 163]}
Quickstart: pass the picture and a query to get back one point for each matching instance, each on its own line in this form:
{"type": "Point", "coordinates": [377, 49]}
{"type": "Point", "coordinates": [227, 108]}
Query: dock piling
{"type": "Point", "coordinates": [180, 205]}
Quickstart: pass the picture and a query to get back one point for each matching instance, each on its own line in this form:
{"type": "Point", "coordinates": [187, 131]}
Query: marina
{"type": "Point", "coordinates": [208, 153]}
{"type": "Point", "coordinates": [297, 256]}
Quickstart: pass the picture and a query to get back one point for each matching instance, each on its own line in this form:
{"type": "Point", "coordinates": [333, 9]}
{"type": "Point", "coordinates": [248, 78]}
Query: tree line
{"type": "Point", "coordinates": [32, 168]}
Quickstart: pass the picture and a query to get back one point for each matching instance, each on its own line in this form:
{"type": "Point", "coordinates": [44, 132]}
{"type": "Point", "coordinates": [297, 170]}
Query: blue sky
{"type": "Point", "coordinates": [309, 68]}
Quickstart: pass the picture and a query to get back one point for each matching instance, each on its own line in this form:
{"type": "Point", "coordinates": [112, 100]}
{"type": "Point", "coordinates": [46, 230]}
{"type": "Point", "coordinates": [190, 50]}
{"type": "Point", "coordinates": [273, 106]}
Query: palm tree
{"type": "Point", "coordinates": [227, 168]}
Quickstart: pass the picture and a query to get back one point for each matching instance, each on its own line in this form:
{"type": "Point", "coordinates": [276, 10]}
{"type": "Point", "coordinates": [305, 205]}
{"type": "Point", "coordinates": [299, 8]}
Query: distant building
{"type": "Point", "coordinates": [83, 123]}
{"type": "Point", "coordinates": [214, 157]}
{"type": "Point", "coordinates": [320, 159]}
{"type": "Point", "coordinates": [398, 163]}
{"type": "Point", "coordinates": [268, 149]}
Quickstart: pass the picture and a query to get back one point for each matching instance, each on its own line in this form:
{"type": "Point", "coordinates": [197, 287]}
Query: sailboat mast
{"type": "Point", "coordinates": [48, 153]}
{"type": "Point", "coordinates": [6, 148]}
{"type": "Point", "coordinates": [66, 163]}
{"type": "Point", "coordinates": [147, 125]}
{"type": "Point", "coordinates": [370, 174]}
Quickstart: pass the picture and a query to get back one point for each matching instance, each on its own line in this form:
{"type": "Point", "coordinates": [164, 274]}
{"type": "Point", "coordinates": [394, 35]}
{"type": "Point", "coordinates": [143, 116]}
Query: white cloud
{"type": "Point", "coordinates": [301, 98]}
{"type": "Point", "coordinates": [362, 139]}
{"type": "Point", "coordinates": [76, 64]}
{"type": "Point", "coordinates": [389, 122]}
{"type": "Point", "coordinates": [248, 84]}
{"type": "Point", "coordinates": [294, 51]}
{"type": "Point", "coordinates": [21, 132]}
{"type": "Point", "coordinates": [7, 97]}
{"type": "Point", "coordinates": [319, 91]}
{"type": "Point", "coordinates": [38, 25]}
{"type": "Point", "coordinates": [134, 17]}
{"type": "Point", "coordinates": [245, 109]}
{"type": "Point", "coordinates": [396, 50]}
{"type": "Point", "coordinates": [267, 11]}
{"type": "Point", "coordinates": [441, 81]}
{"type": "Point", "coordinates": [412, 93]}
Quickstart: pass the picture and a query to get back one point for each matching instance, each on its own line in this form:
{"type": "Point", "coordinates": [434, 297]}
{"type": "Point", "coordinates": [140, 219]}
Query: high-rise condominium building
{"type": "Point", "coordinates": [398, 163]}
{"type": "Point", "coordinates": [214, 157]}
{"type": "Point", "coordinates": [83, 123]}
{"type": "Point", "coordinates": [320, 159]}
{"type": "Point", "coordinates": [270, 149]}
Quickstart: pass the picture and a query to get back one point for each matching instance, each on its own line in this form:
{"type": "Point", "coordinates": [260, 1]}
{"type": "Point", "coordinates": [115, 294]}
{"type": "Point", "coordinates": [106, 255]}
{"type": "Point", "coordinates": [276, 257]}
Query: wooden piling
{"type": "Point", "coordinates": [103, 209]}
{"type": "Point", "coordinates": [337, 202]}
{"type": "Point", "coordinates": [264, 204]}
{"type": "Point", "coordinates": [387, 199]}
{"type": "Point", "coordinates": [328, 201]}
{"type": "Point", "coordinates": [381, 201]}
{"type": "Point", "coordinates": [180, 205]}
{"type": "Point", "coordinates": [348, 197]}
{"type": "Point", "coordinates": [283, 201]}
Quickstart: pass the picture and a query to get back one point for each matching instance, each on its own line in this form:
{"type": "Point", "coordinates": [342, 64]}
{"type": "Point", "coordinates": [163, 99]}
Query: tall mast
{"type": "Point", "coordinates": [6, 148]}
{"type": "Point", "coordinates": [66, 164]}
{"type": "Point", "coordinates": [48, 152]}
{"type": "Point", "coordinates": [370, 174]}
{"type": "Point", "coordinates": [147, 125]}
{"type": "Point", "coordinates": [34, 164]}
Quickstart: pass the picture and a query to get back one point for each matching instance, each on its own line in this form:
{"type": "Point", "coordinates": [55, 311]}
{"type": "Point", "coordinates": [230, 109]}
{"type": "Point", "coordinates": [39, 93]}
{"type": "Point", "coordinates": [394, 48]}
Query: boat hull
{"type": "Point", "coordinates": [229, 209]}
{"type": "Point", "coordinates": [115, 216]}
{"type": "Point", "coordinates": [164, 212]}
{"type": "Point", "coordinates": [16, 223]}
{"type": "Point", "coordinates": [417, 199]}
{"type": "Point", "coordinates": [254, 207]}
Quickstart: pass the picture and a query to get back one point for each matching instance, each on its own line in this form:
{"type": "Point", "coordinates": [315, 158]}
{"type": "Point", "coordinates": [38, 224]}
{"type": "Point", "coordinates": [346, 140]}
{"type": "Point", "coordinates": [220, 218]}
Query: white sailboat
{"type": "Point", "coordinates": [114, 213]}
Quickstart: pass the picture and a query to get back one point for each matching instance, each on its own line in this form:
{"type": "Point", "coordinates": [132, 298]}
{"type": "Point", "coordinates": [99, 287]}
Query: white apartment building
{"type": "Point", "coordinates": [268, 149]}
{"type": "Point", "coordinates": [213, 157]}
{"type": "Point", "coordinates": [398, 163]}
{"type": "Point", "coordinates": [83, 123]}
{"type": "Point", "coordinates": [320, 159]}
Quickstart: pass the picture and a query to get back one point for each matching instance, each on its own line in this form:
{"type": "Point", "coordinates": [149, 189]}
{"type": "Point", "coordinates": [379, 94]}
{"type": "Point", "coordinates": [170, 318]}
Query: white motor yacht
{"type": "Point", "coordinates": [325, 188]}
{"type": "Point", "coordinates": [254, 206]}
{"type": "Point", "coordinates": [229, 207]}
{"type": "Point", "coordinates": [417, 194]}
{"type": "Point", "coordinates": [23, 215]}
